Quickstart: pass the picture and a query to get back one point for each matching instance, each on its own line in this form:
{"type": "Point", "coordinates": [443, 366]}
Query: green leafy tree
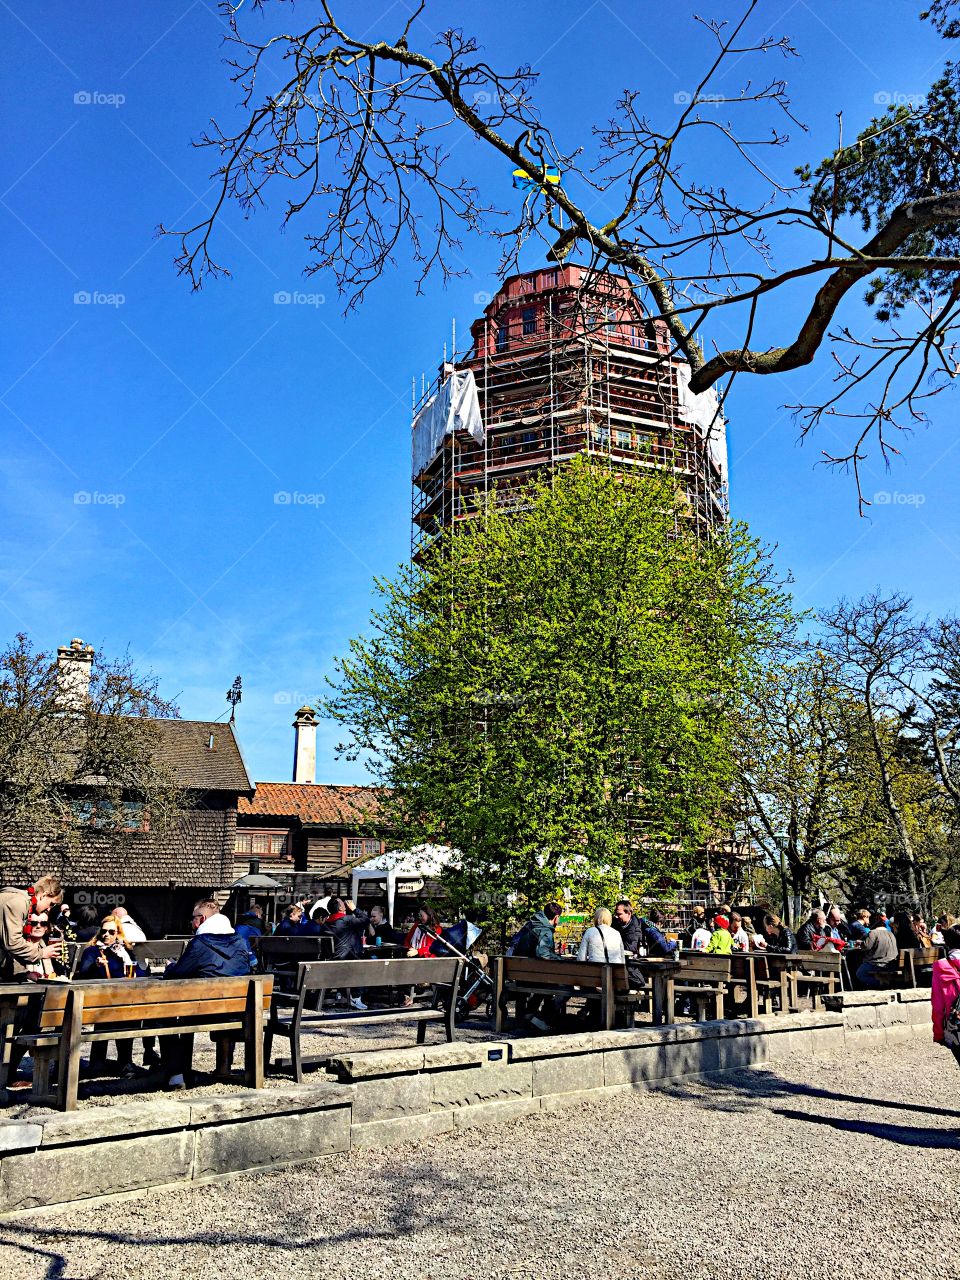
{"type": "Point", "coordinates": [552, 689]}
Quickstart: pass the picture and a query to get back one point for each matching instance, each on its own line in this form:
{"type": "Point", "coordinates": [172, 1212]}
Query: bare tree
{"type": "Point", "coordinates": [362, 132]}
{"type": "Point", "coordinates": [71, 762]}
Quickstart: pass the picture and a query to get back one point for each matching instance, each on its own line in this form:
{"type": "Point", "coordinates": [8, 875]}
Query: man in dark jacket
{"type": "Point", "coordinates": [814, 928]}
{"type": "Point", "coordinates": [779, 937]}
{"type": "Point", "coordinates": [346, 925]}
{"type": "Point", "coordinates": [250, 926]}
{"type": "Point", "coordinates": [537, 942]}
{"type": "Point", "coordinates": [214, 951]}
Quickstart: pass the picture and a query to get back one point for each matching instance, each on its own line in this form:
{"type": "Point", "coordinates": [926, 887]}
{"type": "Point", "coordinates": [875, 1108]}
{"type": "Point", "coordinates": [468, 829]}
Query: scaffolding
{"type": "Point", "coordinates": [565, 364]}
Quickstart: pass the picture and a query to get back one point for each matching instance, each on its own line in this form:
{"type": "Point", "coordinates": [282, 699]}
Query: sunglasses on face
{"type": "Point", "coordinates": [108, 933]}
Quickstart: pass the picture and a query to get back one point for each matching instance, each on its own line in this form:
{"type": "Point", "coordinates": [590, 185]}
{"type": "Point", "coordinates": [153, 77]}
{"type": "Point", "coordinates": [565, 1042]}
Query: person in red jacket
{"type": "Point", "coordinates": [945, 989]}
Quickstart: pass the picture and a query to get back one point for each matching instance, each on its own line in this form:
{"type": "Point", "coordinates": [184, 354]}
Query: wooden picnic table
{"type": "Point", "coordinates": [661, 972]}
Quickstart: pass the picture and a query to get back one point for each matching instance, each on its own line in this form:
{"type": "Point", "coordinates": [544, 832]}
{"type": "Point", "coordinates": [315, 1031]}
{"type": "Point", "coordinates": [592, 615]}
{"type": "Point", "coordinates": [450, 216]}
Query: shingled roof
{"type": "Point", "coordinates": [315, 804]}
{"type": "Point", "coordinates": [185, 746]}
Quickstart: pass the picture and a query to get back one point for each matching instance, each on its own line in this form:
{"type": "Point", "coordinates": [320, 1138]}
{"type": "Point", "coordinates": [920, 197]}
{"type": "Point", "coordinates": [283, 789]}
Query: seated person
{"type": "Point", "coordinates": [721, 940]}
{"type": "Point", "coordinates": [741, 939]}
{"type": "Point", "coordinates": [813, 929]}
{"type": "Point", "coordinates": [859, 926]}
{"type": "Point", "coordinates": [779, 938]}
{"type": "Point", "coordinates": [107, 957]}
{"type": "Point", "coordinates": [378, 930]}
{"type": "Point", "coordinates": [293, 923]}
{"type": "Point", "coordinates": [878, 956]}
{"type": "Point", "coordinates": [654, 939]}
{"type": "Point", "coordinates": [601, 943]}
{"type": "Point", "coordinates": [214, 951]}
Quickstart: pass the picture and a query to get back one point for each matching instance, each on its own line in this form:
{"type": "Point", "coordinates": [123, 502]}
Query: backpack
{"type": "Point", "coordinates": [519, 944]}
{"type": "Point", "coordinates": [951, 1026]}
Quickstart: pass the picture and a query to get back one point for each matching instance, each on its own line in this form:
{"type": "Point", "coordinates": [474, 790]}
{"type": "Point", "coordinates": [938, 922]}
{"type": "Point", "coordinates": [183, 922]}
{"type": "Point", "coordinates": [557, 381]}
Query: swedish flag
{"type": "Point", "coordinates": [522, 180]}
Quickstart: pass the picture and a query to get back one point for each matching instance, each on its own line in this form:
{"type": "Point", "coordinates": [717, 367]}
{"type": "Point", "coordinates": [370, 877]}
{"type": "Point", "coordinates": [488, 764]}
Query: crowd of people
{"type": "Point", "coordinates": [35, 927]}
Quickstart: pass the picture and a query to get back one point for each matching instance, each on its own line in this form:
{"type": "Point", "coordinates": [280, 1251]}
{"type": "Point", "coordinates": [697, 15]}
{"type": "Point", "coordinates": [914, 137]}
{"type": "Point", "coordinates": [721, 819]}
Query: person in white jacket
{"type": "Point", "coordinates": [130, 930]}
{"type": "Point", "coordinates": [601, 943]}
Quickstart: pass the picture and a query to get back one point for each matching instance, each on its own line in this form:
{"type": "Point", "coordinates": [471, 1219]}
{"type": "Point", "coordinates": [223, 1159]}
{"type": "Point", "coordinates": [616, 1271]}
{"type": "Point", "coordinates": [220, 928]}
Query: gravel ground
{"type": "Point", "coordinates": [836, 1168]}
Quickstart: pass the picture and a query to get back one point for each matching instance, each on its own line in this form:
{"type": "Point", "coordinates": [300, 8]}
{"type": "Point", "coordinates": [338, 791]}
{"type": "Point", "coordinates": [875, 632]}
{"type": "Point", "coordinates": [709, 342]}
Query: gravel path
{"type": "Point", "coordinates": [837, 1168]}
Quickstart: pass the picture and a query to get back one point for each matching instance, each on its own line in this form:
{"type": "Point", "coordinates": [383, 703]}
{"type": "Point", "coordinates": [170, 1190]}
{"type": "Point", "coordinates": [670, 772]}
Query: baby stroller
{"type": "Point", "coordinates": [476, 988]}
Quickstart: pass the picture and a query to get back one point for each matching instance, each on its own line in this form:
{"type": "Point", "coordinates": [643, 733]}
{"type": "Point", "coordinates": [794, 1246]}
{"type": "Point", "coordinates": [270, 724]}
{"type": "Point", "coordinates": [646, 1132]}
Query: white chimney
{"type": "Point", "coordinates": [74, 666]}
{"type": "Point", "coordinates": [305, 746]}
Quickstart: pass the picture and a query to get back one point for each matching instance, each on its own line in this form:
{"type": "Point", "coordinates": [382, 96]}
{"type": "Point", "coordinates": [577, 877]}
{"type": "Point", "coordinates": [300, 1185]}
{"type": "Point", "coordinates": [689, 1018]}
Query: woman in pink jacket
{"type": "Point", "coordinates": [945, 990]}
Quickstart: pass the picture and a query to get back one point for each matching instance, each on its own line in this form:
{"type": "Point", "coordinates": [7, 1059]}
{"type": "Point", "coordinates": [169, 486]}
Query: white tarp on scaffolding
{"type": "Point", "coordinates": [703, 412]}
{"type": "Point", "coordinates": [455, 407]}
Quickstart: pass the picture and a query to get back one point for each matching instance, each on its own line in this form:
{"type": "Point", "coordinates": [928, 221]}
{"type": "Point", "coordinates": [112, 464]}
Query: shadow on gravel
{"type": "Point", "coordinates": [766, 1084]}
{"type": "Point", "coordinates": [405, 1213]}
{"type": "Point", "coordinates": [749, 1088]}
{"type": "Point", "coordinates": [906, 1135]}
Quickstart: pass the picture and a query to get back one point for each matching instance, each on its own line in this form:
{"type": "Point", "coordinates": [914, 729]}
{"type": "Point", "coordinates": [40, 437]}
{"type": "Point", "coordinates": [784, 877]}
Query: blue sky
{"type": "Point", "coordinates": [180, 415]}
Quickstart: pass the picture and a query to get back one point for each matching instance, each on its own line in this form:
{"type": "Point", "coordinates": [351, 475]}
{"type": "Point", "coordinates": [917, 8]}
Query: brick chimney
{"type": "Point", "coordinates": [305, 746]}
{"type": "Point", "coordinates": [74, 666]}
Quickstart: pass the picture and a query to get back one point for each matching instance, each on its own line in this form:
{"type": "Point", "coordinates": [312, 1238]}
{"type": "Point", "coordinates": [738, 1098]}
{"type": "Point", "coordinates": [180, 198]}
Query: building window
{"type": "Point", "coordinates": [104, 815]}
{"type": "Point", "coordinates": [529, 318]}
{"type": "Point", "coordinates": [502, 337]}
{"type": "Point", "coordinates": [359, 848]}
{"type": "Point", "coordinates": [611, 321]}
{"type": "Point", "coordinates": [261, 844]}
{"type": "Point", "coordinates": [549, 280]}
{"type": "Point", "coordinates": [623, 439]}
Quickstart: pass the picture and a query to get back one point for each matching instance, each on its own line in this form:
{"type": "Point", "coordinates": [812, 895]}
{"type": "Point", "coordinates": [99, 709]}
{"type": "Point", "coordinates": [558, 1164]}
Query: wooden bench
{"type": "Point", "coordinates": [817, 971]}
{"type": "Point", "coordinates": [703, 980]}
{"type": "Point", "coordinates": [517, 978]}
{"type": "Point", "coordinates": [289, 1013]}
{"type": "Point", "coordinates": [916, 965]}
{"type": "Point", "coordinates": [282, 955]}
{"type": "Point", "coordinates": [156, 954]}
{"type": "Point", "coordinates": [128, 1008]}
{"type": "Point", "coordinates": [904, 973]}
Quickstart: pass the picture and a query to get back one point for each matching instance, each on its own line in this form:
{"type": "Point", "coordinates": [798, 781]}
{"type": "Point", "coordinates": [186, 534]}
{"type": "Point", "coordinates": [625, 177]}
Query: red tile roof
{"type": "Point", "coordinates": [313, 803]}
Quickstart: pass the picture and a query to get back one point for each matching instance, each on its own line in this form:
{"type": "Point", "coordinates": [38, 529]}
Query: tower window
{"type": "Point", "coordinates": [529, 318]}
{"type": "Point", "coordinates": [502, 337]}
